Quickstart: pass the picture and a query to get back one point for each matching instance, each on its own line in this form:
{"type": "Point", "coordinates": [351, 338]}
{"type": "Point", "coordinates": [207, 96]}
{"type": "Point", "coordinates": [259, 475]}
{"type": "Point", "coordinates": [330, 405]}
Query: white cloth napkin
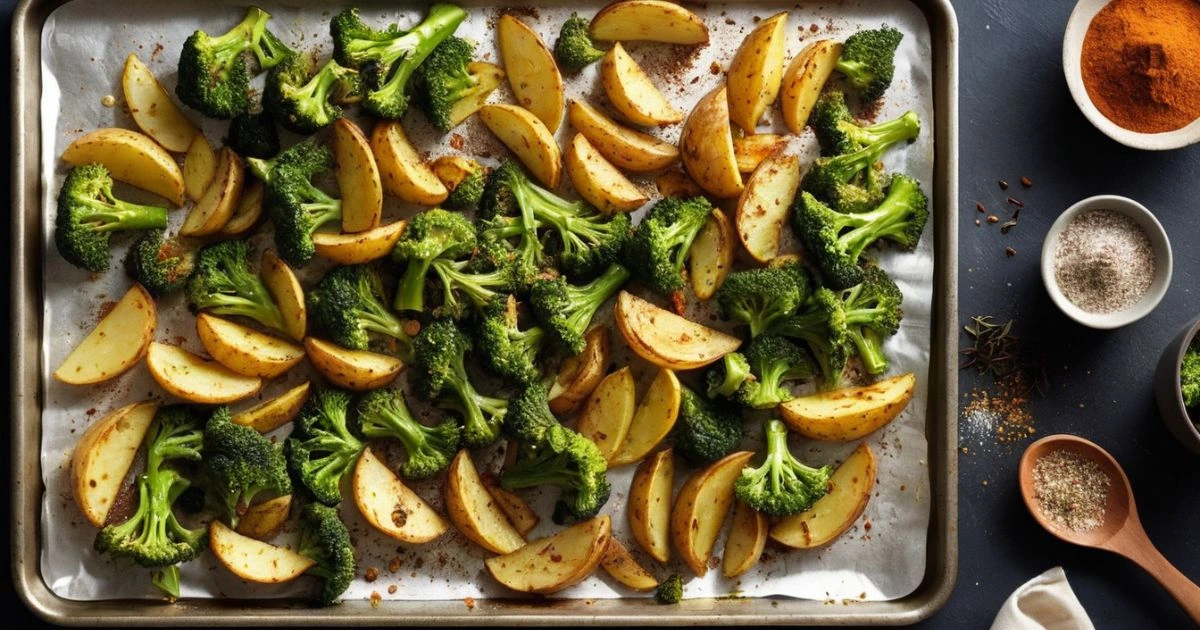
{"type": "Point", "coordinates": [1045, 602]}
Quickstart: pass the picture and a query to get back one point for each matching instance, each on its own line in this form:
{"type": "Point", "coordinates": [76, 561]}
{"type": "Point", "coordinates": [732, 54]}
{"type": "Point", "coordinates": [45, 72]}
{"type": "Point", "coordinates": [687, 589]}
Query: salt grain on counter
{"type": "Point", "coordinates": [1104, 261]}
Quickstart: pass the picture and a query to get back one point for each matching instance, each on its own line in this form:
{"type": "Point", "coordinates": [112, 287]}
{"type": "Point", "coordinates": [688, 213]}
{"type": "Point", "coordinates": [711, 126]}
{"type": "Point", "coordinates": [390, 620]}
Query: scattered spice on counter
{"type": "Point", "coordinates": [1010, 252]}
{"type": "Point", "coordinates": [980, 208]}
{"type": "Point", "coordinates": [1003, 185]}
{"type": "Point", "coordinates": [1016, 202]}
{"type": "Point", "coordinates": [1026, 182]}
{"type": "Point", "coordinates": [1071, 490]}
{"type": "Point", "coordinates": [993, 218]}
{"type": "Point", "coordinates": [1104, 261]}
{"type": "Point", "coordinates": [993, 349]}
{"type": "Point", "coordinates": [1003, 414]}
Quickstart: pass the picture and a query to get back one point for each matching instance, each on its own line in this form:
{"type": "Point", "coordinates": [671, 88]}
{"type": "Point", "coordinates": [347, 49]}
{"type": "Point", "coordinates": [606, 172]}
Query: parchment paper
{"type": "Point", "coordinates": [84, 45]}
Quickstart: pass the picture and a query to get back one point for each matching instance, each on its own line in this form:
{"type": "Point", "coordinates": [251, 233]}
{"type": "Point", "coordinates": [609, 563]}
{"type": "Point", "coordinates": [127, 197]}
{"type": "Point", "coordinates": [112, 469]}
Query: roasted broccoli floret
{"type": "Point", "coordinates": [726, 378]}
{"type": "Point", "coordinates": [240, 464]}
{"type": "Point", "coordinates": [389, 58]}
{"type": "Point", "coordinates": [166, 580]}
{"type": "Point", "coordinates": [782, 485]}
{"type": "Point", "coordinates": [821, 324]}
{"type": "Point", "coordinates": [253, 135]}
{"type": "Point", "coordinates": [774, 361]}
{"type": "Point", "coordinates": [307, 155]}
{"type": "Point", "coordinates": [838, 132]}
{"type": "Point", "coordinates": [872, 313]}
{"type": "Point", "coordinates": [297, 207]}
{"type": "Point", "coordinates": [659, 248]}
{"type": "Point", "coordinates": [706, 430]}
{"type": "Point", "coordinates": [160, 263]}
{"type": "Point", "coordinates": [574, 48]}
{"type": "Point", "coordinates": [463, 279]}
{"type": "Point", "coordinates": [670, 590]}
{"type": "Point", "coordinates": [88, 214]}
{"type": "Point", "coordinates": [439, 372]}
{"type": "Point", "coordinates": [1189, 376]}
{"type": "Point", "coordinates": [565, 310]}
{"type": "Point", "coordinates": [869, 60]}
{"type": "Point", "coordinates": [382, 413]}
{"type": "Point", "coordinates": [347, 305]}
{"type": "Point", "coordinates": [760, 297]}
{"type": "Point", "coordinates": [449, 88]}
{"type": "Point", "coordinates": [509, 351]}
{"type": "Point", "coordinates": [568, 461]}
{"type": "Point", "coordinates": [325, 539]}
{"type": "Point", "coordinates": [430, 235]}
{"type": "Point", "coordinates": [854, 181]}
{"type": "Point", "coordinates": [322, 447]}
{"type": "Point", "coordinates": [213, 78]}
{"type": "Point", "coordinates": [466, 183]}
{"type": "Point", "coordinates": [529, 416]}
{"type": "Point", "coordinates": [302, 100]}
{"type": "Point", "coordinates": [223, 284]}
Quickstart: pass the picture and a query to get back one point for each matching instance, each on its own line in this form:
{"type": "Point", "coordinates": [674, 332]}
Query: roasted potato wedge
{"type": "Point", "coordinates": [403, 173]}
{"type": "Point", "coordinates": [285, 289]}
{"type": "Point", "coordinates": [199, 167]}
{"type": "Point", "coordinates": [619, 563]}
{"type": "Point", "coordinates": [701, 508]}
{"type": "Point", "coordinates": [653, 420]}
{"type": "Point", "coordinates": [515, 508]}
{"type": "Point", "coordinates": [677, 184]}
{"type": "Point", "coordinates": [548, 565]}
{"type": "Point", "coordinates": [750, 151]}
{"type": "Point", "coordinates": [358, 179]}
{"type": "Point", "coordinates": [245, 350]}
{"type": "Point", "coordinates": [578, 376]}
{"type": "Point", "coordinates": [632, 93]}
{"type": "Point", "coordinates": [392, 507]}
{"type": "Point", "coordinates": [152, 108]}
{"type": "Point", "coordinates": [275, 412]}
{"type": "Point", "coordinates": [474, 511]}
{"type": "Point", "coordinates": [711, 256]}
{"type": "Point", "coordinates": [608, 414]}
{"type": "Point", "coordinates": [666, 339]}
{"type": "Point", "coordinates": [844, 415]}
{"type": "Point", "coordinates": [262, 521]}
{"type": "Point", "coordinates": [648, 21]}
{"type": "Point", "coordinates": [196, 379]}
{"type": "Point", "coordinates": [216, 205]}
{"type": "Point", "coordinates": [254, 560]}
{"type": "Point", "coordinates": [804, 79]}
{"type": "Point", "coordinates": [850, 490]}
{"type": "Point", "coordinates": [756, 72]}
{"type": "Point", "coordinates": [766, 204]}
{"type": "Point", "coordinates": [248, 211]}
{"type": "Point", "coordinates": [116, 344]}
{"type": "Point", "coordinates": [598, 181]}
{"type": "Point", "coordinates": [357, 370]}
{"type": "Point", "coordinates": [528, 138]}
{"type": "Point", "coordinates": [355, 249]}
{"type": "Point", "coordinates": [747, 539]}
{"type": "Point", "coordinates": [706, 146]}
{"type": "Point", "coordinates": [452, 170]}
{"type": "Point", "coordinates": [103, 456]}
{"type": "Point", "coordinates": [649, 504]}
{"type": "Point", "coordinates": [131, 157]}
{"type": "Point", "coordinates": [532, 73]}
{"type": "Point", "coordinates": [624, 147]}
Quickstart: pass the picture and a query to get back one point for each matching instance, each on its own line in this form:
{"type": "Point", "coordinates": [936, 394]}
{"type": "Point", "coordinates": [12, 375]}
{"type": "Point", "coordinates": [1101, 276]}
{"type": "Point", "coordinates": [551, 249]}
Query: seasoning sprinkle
{"type": "Point", "coordinates": [1071, 490]}
{"type": "Point", "coordinates": [1026, 182]}
{"type": "Point", "coordinates": [993, 218]}
{"type": "Point", "coordinates": [1104, 261]}
{"type": "Point", "coordinates": [979, 207]}
{"type": "Point", "coordinates": [1016, 202]}
{"type": "Point", "coordinates": [1012, 223]}
{"type": "Point", "coordinates": [1010, 251]}
{"type": "Point", "coordinates": [1003, 185]}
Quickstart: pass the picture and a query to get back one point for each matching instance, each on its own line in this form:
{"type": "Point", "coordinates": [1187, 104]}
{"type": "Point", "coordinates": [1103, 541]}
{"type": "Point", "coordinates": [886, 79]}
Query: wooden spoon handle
{"type": "Point", "coordinates": [1177, 584]}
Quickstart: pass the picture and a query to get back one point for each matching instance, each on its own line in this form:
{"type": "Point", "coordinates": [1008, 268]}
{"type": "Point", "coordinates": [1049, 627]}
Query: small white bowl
{"type": "Point", "coordinates": [1162, 268]}
{"type": "Point", "coordinates": [1077, 27]}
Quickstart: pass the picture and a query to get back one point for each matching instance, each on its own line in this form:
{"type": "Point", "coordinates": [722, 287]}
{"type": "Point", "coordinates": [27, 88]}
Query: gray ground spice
{"type": "Point", "coordinates": [1071, 490]}
{"type": "Point", "coordinates": [1104, 261]}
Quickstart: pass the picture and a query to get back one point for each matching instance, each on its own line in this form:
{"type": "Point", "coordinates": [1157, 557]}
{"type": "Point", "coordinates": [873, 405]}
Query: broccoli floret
{"type": "Point", "coordinates": [565, 310]}
{"type": "Point", "coordinates": [212, 70]}
{"type": "Point", "coordinates": [839, 133]}
{"type": "Point", "coordinates": [760, 297]}
{"type": "Point", "coordinates": [382, 413]}
{"type": "Point", "coordinates": [325, 539]}
{"type": "Point", "coordinates": [504, 275]}
{"type": "Point", "coordinates": [347, 305]}
{"type": "Point", "coordinates": [466, 183]}
{"type": "Point", "coordinates": [774, 361]}
{"type": "Point", "coordinates": [782, 485]}
{"type": "Point", "coordinates": [449, 89]}
{"type": "Point", "coordinates": [509, 351]}
{"type": "Point", "coordinates": [1189, 376]}
{"type": "Point", "coordinates": [166, 580]}
{"type": "Point", "coordinates": [659, 248]}
{"type": "Point", "coordinates": [575, 49]}
{"type": "Point", "coordinates": [389, 58]}
{"type": "Point", "coordinates": [854, 182]}
{"type": "Point", "coordinates": [430, 235]}
{"type": "Point", "coordinates": [439, 372]}
{"type": "Point", "coordinates": [302, 100]}
{"type": "Point", "coordinates": [297, 207]}
{"type": "Point", "coordinates": [253, 135]}
{"type": "Point", "coordinates": [240, 464]}
{"type": "Point", "coordinates": [309, 156]}
{"type": "Point", "coordinates": [821, 324]}
{"type": "Point", "coordinates": [223, 284]}
{"type": "Point", "coordinates": [706, 430]}
{"type": "Point", "coordinates": [569, 461]}
{"type": "Point", "coordinates": [670, 590]}
{"type": "Point", "coordinates": [872, 313]}
{"type": "Point", "coordinates": [837, 239]}
{"type": "Point", "coordinates": [727, 377]}
{"type": "Point", "coordinates": [88, 214]}
{"type": "Point", "coordinates": [869, 60]}
{"type": "Point", "coordinates": [163, 265]}
{"type": "Point", "coordinates": [322, 447]}
{"type": "Point", "coordinates": [529, 416]}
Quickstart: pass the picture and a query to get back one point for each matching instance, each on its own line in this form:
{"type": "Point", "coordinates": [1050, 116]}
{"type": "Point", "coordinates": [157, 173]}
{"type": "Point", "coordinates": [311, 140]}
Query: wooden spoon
{"type": "Point", "coordinates": [1121, 532]}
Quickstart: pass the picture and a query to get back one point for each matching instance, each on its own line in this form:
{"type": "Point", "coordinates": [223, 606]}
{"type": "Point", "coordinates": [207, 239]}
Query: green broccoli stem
{"type": "Point", "coordinates": [166, 580]}
{"type": "Point", "coordinates": [856, 72]}
{"type": "Point", "coordinates": [377, 319]}
{"type": "Point", "coordinates": [122, 215]}
{"type": "Point", "coordinates": [682, 235]}
{"type": "Point", "coordinates": [479, 287]}
{"type": "Point", "coordinates": [314, 95]}
{"type": "Point", "coordinates": [228, 47]}
{"type": "Point", "coordinates": [869, 345]}
{"type": "Point", "coordinates": [394, 423]}
{"type": "Point", "coordinates": [780, 459]}
{"type": "Point", "coordinates": [904, 127]}
{"type": "Point", "coordinates": [411, 294]}
{"type": "Point", "coordinates": [769, 390]}
{"type": "Point", "coordinates": [261, 168]}
{"type": "Point", "coordinates": [413, 47]}
{"type": "Point", "coordinates": [736, 373]}
{"type": "Point", "coordinates": [890, 218]}
{"type": "Point", "coordinates": [587, 299]}
{"type": "Point", "coordinates": [265, 313]}
{"type": "Point", "coordinates": [540, 470]}
{"type": "Point", "coordinates": [268, 48]}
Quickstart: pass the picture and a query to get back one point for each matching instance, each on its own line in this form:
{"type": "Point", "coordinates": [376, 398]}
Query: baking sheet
{"type": "Point", "coordinates": [884, 561]}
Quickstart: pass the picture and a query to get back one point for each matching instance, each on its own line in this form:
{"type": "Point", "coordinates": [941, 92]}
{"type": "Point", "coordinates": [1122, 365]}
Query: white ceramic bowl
{"type": "Point", "coordinates": [1077, 27]}
{"type": "Point", "coordinates": [1162, 268]}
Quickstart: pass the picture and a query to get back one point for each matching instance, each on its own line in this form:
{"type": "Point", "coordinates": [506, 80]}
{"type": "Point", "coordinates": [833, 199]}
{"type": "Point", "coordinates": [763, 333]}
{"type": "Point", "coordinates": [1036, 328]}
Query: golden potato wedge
{"type": "Point", "coordinates": [354, 249]}
{"type": "Point", "coordinates": [196, 379]}
{"type": "Point", "coordinates": [653, 419]}
{"type": "Point", "coordinates": [750, 151]}
{"type": "Point", "coordinates": [649, 504]}
{"type": "Point", "coordinates": [624, 147]}
{"type": "Point", "coordinates": [666, 339]}
{"type": "Point", "coordinates": [528, 138]}
{"type": "Point", "coordinates": [648, 21]}
{"type": "Point", "coordinates": [152, 108]}
{"type": "Point", "coordinates": [618, 563]}
{"type": "Point", "coordinates": [452, 170]}
{"type": "Point", "coordinates": [131, 157]}
{"type": "Point", "coordinates": [248, 211]}
{"type": "Point", "coordinates": [608, 414]}
{"type": "Point", "coordinates": [598, 181]}
{"type": "Point", "coordinates": [804, 79]}
{"type": "Point", "coordinates": [245, 350]}
{"type": "Point", "coordinates": [532, 74]}
{"type": "Point", "coordinates": [843, 415]}
{"type": "Point", "coordinates": [766, 204]}
{"type": "Point", "coordinates": [747, 539]}
{"type": "Point", "coordinates": [103, 456]}
{"type": "Point", "coordinates": [711, 256]}
{"type": "Point", "coordinates": [850, 489]}
{"type": "Point", "coordinates": [199, 167]}
{"type": "Point", "coordinates": [216, 205]}
{"type": "Point", "coordinates": [358, 178]}
{"type": "Point", "coordinates": [756, 72]}
{"type": "Point", "coordinates": [706, 146]}
{"type": "Point", "coordinates": [489, 76]}
{"type": "Point", "coordinates": [578, 376]}
{"type": "Point", "coordinates": [550, 564]}
{"type": "Point", "coordinates": [254, 560]}
{"type": "Point", "coordinates": [632, 93]}
{"type": "Point", "coordinates": [516, 509]}
{"type": "Point", "coordinates": [473, 510]}
{"type": "Point", "coordinates": [116, 344]}
{"type": "Point", "coordinates": [403, 173]}
{"type": "Point", "coordinates": [677, 184]}
{"type": "Point", "coordinates": [392, 507]}
{"type": "Point", "coordinates": [275, 412]}
{"type": "Point", "coordinates": [285, 289]}
{"type": "Point", "coordinates": [263, 520]}
{"type": "Point", "coordinates": [357, 370]}
{"type": "Point", "coordinates": [701, 508]}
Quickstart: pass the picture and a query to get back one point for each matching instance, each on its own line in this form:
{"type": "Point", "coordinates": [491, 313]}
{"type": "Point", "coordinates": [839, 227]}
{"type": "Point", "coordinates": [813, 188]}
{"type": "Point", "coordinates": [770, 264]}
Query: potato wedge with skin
{"type": "Point", "coordinates": [528, 138]}
{"type": "Point", "coordinates": [452, 170]}
{"type": "Point", "coordinates": [474, 511]}
{"type": "Point", "coordinates": [103, 456]}
{"type": "Point", "coordinates": [550, 564]}
{"type": "Point", "coordinates": [357, 370]}
{"type": "Point", "coordinates": [262, 521]}
{"type": "Point", "coordinates": [804, 79]}
{"type": "Point", "coordinates": [608, 414]}
{"type": "Point", "coordinates": [355, 249]}
{"type": "Point", "coordinates": [116, 344]}
{"type": "Point", "coordinates": [756, 72]}
{"type": "Point", "coordinates": [649, 504]}
{"type": "Point", "coordinates": [701, 508]}
{"type": "Point", "coordinates": [677, 184]}
{"type": "Point", "coordinates": [216, 206]}
{"type": "Point", "coordinates": [747, 539]}
{"type": "Point", "coordinates": [579, 375]}
{"type": "Point", "coordinates": [130, 157]}
{"type": "Point", "coordinates": [626, 148]}
{"type": "Point", "coordinates": [285, 289]}
{"type": "Point", "coordinates": [619, 563]}
{"type": "Point", "coordinates": [750, 151]}
{"type": "Point", "coordinates": [246, 350]}
{"type": "Point", "coordinates": [632, 93]}
{"type": "Point", "coordinates": [152, 108]}
{"type": "Point", "coordinates": [248, 211]}
{"type": "Point", "coordinates": [392, 507]}
{"type": "Point", "coordinates": [765, 205]}
{"type": "Point", "coordinates": [844, 415]}
{"type": "Point", "coordinates": [403, 173]}
{"type": "Point", "coordinates": [275, 412]}
{"type": "Point", "coordinates": [711, 256]}
{"type": "Point", "coordinates": [196, 379]}
{"type": "Point", "coordinates": [532, 73]}
{"type": "Point", "coordinates": [199, 167]}
{"type": "Point", "coordinates": [598, 181]}
{"type": "Point", "coordinates": [254, 560]}
{"type": "Point", "coordinates": [706, 147]}
{"type": "Point", "coordinates": [666, 339]}
{"type": "Point", "coordinates": [515, 508]}
{"type": "Point", "coordinates": [850, 490]}
{"type": "Point", "coordinates": [653, 420]}
{"type": "Point", "coordinates": [648, 21]}
{"type": "Point", "coordinates": [357, 176]}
